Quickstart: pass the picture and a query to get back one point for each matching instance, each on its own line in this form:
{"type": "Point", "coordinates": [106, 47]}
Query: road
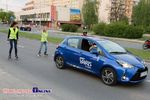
{"type": "Point", "coordinates": [68, 84]}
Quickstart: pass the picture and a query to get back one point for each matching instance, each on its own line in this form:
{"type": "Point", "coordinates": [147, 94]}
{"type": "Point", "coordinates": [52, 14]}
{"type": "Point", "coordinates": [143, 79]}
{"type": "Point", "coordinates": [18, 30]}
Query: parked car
{"type": "Point", "coordinates": [25, 28]}
{"type": "Point", "coordinates": [104, 58]}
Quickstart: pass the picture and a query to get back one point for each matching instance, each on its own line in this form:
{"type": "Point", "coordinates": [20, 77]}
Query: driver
{"type": "Point", "coordinates": [93, 47]}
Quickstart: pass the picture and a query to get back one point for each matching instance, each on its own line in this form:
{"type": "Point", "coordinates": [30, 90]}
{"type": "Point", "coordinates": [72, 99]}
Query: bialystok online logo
{"type": "Point", "coordinates": [34, 90]}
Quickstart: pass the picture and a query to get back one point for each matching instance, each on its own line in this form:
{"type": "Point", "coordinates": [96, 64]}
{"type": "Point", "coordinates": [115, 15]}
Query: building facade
{"type": "Point", "coordinates": [50, 12]}
{"type": "Point", "coordinates": [68, 3]}
{"type": "Point", "coordinates": [107, 9]}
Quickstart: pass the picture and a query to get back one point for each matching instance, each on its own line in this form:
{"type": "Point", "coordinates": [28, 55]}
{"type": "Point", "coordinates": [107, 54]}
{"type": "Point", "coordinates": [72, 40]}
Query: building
{"type": "Point", "coordinates": [107, 9]}
{"type": "Point", "coordinates": [29, 5]}
{"type": "Point", "coordinates": [36, 12]}
{"type": "Point", "coordinates": [50, 12]}
{"type": "Point", "coordinates": [104, 11]}
{"type": "Point", "coordinates": [68, 3]}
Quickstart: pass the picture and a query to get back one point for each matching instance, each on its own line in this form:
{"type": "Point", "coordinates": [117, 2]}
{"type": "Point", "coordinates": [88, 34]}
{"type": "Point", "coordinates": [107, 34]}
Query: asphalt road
{"type": "Point", "coordinates": [68, 84]}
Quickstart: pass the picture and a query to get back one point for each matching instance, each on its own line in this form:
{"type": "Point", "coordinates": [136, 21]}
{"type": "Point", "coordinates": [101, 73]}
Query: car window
{"type": "Point", "coordinates": [88, 45]}
{"type": "Point", "coordinates": [112, 47]}
{"type": "Point", "coordinates": [73, 43]}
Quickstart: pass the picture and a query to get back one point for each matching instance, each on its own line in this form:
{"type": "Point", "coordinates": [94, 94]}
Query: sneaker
{"type": "Point", "coordinates": [46, 54]}
{"type": "Point", "coordinates": [39, 55]}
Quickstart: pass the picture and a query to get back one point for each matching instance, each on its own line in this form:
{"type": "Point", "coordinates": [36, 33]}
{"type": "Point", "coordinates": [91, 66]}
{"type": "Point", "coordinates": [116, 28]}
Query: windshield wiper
{"type": "Point", "coordinates": [116, 52]}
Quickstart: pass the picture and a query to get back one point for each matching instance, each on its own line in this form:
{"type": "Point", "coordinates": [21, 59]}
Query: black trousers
{"type": "Point", "coordinates": [13, 43]}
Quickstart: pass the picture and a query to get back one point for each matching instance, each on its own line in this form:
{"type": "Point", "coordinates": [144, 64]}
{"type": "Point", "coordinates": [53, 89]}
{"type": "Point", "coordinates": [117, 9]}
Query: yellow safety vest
{"type": "Point", "coordinates": [44, 36]}
{"type": "Point", "coordinates": [13, 34]}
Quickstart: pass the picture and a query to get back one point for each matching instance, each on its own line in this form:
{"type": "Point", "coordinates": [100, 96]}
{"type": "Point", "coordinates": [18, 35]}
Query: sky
{"type": "Point", "coordinates": [13, 5]}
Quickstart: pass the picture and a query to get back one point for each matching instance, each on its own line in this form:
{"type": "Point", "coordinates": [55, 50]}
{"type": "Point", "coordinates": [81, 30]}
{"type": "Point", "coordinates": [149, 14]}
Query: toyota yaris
{"type": "Point", "coordinates": [102, 57]}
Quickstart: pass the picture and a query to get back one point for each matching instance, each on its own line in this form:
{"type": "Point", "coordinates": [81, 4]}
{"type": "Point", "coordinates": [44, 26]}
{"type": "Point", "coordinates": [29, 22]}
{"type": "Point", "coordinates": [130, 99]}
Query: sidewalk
{"type": "Point", "coordinates": [8, 81]}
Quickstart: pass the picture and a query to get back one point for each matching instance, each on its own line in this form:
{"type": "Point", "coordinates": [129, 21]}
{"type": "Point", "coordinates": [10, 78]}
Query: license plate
{"type": "Point", "coordinates": [143, 74]}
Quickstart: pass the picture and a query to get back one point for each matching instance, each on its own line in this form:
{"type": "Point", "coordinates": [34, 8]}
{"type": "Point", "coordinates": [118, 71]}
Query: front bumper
{"type": "Point", "coordinates": [133, 75]}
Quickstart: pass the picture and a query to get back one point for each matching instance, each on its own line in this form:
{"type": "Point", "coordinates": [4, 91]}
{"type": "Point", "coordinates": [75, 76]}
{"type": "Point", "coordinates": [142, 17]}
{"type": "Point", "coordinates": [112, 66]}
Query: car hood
{"type": "Point", "coordinates": [129, 58]}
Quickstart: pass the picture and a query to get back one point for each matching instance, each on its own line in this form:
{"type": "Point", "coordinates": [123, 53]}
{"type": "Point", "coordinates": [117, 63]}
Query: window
{"type": "Point", "coordinates": [73, 43]}
{"type": "Point", "coordinates": [112, 47]}
{"type": "Point", "coordinates": [87, 45]}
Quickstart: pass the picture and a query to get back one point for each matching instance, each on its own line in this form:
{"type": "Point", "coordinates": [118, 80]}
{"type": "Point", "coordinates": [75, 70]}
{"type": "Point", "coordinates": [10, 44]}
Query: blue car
{"type": "Point", "coordinates": [102, 57]}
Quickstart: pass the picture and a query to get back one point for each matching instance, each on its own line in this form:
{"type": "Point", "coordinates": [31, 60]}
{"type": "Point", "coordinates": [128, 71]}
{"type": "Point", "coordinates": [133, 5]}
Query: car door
{"type": "Point", "coordinates": [91, 62]}
{"type": "Point", "coordinates": [72, 51]}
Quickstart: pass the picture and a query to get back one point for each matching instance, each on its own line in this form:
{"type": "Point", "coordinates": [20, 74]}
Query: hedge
{"type": "Point", "coordinates": [120, 30]}
{"type": "Point", "coordinates": [69, 28]}
{"type": "Point", "coordinates": [147, 30]}
{"type": "Point", "coordinates": [99, 28]}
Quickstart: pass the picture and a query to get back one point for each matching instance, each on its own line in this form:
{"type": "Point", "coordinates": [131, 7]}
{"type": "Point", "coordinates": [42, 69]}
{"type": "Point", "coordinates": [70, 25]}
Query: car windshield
{"type": "Point", "coordinates": [112, 47]}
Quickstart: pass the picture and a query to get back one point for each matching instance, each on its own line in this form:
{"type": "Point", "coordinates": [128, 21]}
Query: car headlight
{"type": "Point", "coordinates": [124, 64]}
{"type": "Point", "coordinates": [143, 62]}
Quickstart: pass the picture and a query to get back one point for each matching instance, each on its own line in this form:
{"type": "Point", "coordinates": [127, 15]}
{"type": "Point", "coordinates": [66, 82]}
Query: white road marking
{"type": "Point", "coordinates": [20, 46]}
{"type": "Point", "coordinates": [148, 81]}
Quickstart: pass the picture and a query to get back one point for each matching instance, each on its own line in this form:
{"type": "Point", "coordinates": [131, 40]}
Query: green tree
{"type": "Point", "coordinates": [117, 11]}
{"type": "Point", "coordinates": [90, 12]}
{"type": "Point", "coordinates": [5, 16]}
{"type": "Point", "coordinates": [141, 13]}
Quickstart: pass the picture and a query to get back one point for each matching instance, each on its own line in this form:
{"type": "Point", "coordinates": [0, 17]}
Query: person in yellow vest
{"type": "Point", "coordinates": [13, 38]}
{"type": "Point", "coordinates": [44, 36]}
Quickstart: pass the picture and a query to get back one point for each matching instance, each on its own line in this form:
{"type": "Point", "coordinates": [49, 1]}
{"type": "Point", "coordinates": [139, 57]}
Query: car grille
{"type": "Point", "coordinates": [137, 77]}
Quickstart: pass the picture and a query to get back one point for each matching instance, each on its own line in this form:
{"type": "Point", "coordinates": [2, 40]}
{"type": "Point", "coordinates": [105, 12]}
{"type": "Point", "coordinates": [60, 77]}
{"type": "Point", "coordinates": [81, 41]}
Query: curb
{"type": "Point", "coordinates": [148, 61]}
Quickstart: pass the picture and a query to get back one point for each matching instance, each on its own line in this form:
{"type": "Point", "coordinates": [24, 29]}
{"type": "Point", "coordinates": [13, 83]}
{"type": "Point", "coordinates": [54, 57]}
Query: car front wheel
{"type": "Point", "coordinates": [108, 76]}
{"type": "Point", "coordinates": [59, 62]}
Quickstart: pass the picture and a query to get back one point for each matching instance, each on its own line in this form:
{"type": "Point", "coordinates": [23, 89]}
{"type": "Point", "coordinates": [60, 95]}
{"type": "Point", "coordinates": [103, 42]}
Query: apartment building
{"type": "Point", "coordinates": [68, 3]}
{"type": "Point", "coordinates": [51, 12]}
{"type": "Point", "coordinates": [107, 9]}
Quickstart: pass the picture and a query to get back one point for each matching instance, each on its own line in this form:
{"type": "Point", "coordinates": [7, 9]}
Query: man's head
{"type": "Point", "coordinates": [84, 33]}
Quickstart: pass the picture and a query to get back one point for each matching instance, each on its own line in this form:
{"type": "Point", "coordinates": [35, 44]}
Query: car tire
{"type": "Point", "coordinates": [59, 61]}
{"type": "Point", "coordinates": [108, 76]}
{"type": "Point", "coordinates": [144, 46]}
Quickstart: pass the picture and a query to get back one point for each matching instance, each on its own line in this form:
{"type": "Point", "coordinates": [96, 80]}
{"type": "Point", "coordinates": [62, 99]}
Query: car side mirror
{"type": "Point", "coordinates": [100, 52]}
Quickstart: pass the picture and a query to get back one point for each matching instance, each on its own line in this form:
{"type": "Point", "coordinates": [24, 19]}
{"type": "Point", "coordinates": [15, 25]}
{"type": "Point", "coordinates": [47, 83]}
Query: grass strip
{"type": "Point", "coordinates": [144, 54]}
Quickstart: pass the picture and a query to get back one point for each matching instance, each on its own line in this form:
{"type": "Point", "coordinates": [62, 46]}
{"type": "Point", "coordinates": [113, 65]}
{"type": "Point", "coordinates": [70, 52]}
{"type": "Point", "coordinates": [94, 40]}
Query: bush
{"type": "Point", "coordinates": [119, 29]}
{"type": "Point", "coordinates": [115, 30]}
{"type": "Point", "coordinates": [99, 28]}
{"type": "Point", "coordinates": [69, 28]}
{"type": "Point", "coordinates": [133, 32]}
{"type": "Point", "coordinates": [147, 30]}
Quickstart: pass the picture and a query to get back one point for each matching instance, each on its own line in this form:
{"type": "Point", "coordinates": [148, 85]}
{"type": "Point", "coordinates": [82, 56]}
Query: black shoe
{"type": "Point", "coordinates": [39, 55]}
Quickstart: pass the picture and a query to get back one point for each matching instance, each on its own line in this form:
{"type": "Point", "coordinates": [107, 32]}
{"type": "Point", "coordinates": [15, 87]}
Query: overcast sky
{"type": "Point", "coordinates": [13, 5]}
